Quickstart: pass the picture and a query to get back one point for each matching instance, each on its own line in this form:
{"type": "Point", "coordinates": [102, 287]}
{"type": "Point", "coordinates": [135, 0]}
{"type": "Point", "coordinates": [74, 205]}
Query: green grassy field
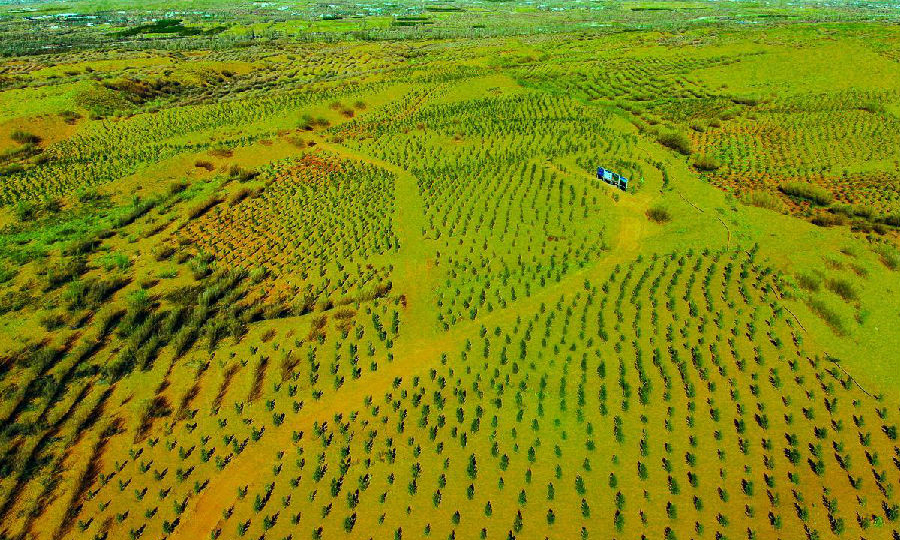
{"type": "Point", "coordinates": [290, 271]}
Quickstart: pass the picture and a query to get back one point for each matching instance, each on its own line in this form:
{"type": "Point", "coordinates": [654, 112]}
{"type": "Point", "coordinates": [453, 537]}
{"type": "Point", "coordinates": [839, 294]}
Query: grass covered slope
{"type": "Point", "coordinates": [298, 284]}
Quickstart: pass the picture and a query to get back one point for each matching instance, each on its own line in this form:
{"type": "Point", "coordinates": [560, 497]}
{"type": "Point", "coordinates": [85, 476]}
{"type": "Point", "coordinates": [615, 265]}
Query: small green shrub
{"type": "Point", "coordinates": [659, 214]}
{"type": "Point", "coordinates": [706, 162]}
{"type": "Point", "coordinates": [241, 174]}
{"type": "Point", "coordinates": [168, 273]}
{"type": "Point", "coordinates": [64, 271]}
{"type": "Point", "coordinates": [873, 107]}
{"type": "Point", "coordinates": [198, 210]}
{"type": "Point", "coordinates": [26, 210]}
{"type": "Point", "coordinates": [676, 141]}
{"type": "Point", "coordinates": [239, 195]}
{"type": "Point", "coordinates": [842, 288]}
{"type": "Point", "coordinates": [177, 187]}
{"type": "Point", "coordinates": [11, 169]}
{"type": "Point", "coordinates": [92, 292]}
{"type": "Point", "coordinates": [891, 219]}
{"type": "Point", "coordinates": [808, 192]}
{"type": "Point", "coordinates": [24, 137]}
{"type": "Point", "coordinates": [53, 320]}
{"type": "Point", "coordinates": [115, 260]}
{"type": "Point", "coordinates": [69, 117]}
{"type": "Point", "coordinates": [830, 316]}
{"type": "Point", "coordinates": [764, 199]}
{"type": "Point", "coordinates": [809, 282]}
{"type": "Point", "coordinates": [829, 220]}
{"type": "Point", "coordinates": [7, 274]}
{"type": "Point", "coordinates": [889, 256]}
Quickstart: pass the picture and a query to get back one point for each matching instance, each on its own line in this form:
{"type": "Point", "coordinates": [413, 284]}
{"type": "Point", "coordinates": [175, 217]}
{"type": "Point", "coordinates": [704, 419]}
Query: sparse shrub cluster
{"type": "Point", "coordinates": [659, 214]}
{"type": "Point", "coordinates": [809, 192]}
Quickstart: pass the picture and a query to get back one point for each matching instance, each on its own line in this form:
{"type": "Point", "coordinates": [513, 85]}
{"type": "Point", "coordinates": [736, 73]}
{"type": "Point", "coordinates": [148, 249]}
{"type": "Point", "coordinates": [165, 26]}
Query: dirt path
{"type": "Point", "coordinates": [414, 273]}
{"type": "Point", "coordinates": [418, 347]}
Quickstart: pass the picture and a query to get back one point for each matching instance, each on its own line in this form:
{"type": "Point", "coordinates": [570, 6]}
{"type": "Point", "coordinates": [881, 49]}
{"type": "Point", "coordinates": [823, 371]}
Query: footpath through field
{"type": "Point", "coordinates": [418, 346]}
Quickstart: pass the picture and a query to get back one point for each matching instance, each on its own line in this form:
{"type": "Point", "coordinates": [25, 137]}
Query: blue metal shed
{"type": "Point", "coordinates": [613, 179]}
